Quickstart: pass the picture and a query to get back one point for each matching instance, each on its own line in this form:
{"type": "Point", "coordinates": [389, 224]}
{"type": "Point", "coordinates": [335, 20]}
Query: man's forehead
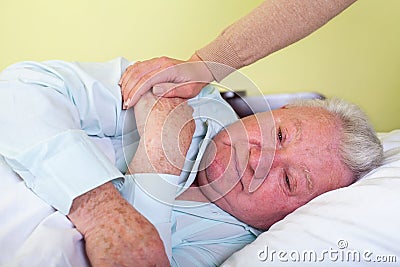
{"type": "Point", "coordinates": [324, 164]}
{"type": "Point", "coordinates": [318, 143]}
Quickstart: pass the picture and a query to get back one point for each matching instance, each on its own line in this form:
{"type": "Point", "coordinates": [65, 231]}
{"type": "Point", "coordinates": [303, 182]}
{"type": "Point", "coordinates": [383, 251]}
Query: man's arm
{"type": "Point", "coordinates": [55, 157]}
{"type": "Point", "coordinates": [166, 128]}
{"type": "Point", "coordinates": [114, 232]}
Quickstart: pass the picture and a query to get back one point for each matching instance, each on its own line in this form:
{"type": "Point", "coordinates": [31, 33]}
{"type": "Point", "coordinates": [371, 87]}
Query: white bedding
{"type": "Point", "coordinates": [32, 233]}
{"type": "Point", "coordinates": [356, 225]}
{"type": "Point", "coordinates": [360, 220]}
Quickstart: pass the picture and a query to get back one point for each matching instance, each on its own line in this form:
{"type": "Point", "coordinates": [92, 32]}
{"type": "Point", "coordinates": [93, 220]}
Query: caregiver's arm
{"type": "Point", "coordinates": [115, 233]}
{"type": "Point", "coordinates": [273, 25]}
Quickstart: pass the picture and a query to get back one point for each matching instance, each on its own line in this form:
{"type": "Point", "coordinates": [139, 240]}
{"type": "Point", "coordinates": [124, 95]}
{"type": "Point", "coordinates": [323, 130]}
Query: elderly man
{"type": "Point", "coordinates": [255, 171]}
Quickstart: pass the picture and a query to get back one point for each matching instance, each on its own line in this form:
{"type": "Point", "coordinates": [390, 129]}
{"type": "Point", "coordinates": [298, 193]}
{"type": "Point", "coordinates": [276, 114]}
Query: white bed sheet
{"type": "Point", "coordinates": [31, 232]}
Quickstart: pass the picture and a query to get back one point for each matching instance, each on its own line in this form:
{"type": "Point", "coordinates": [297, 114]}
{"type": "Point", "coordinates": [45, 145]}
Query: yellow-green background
{"type": "Point", "coordinates": [356, 56]}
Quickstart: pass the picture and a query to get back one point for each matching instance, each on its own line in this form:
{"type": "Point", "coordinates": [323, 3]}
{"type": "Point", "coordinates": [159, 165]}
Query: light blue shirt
{"type": "Point", "coordinates": [49, 111]}
{"type": "Point", "coordinates": [205, 235]}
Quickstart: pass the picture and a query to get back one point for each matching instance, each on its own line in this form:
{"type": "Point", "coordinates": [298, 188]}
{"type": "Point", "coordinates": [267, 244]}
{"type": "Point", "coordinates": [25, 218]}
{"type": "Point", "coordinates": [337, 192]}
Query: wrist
{"type": "Point", "coordinates": [202, 68]}
{"type": "Point", "coordinates": [89, 209]}
{"type": "Point", "coordinates": [115, 233]}
{"type": "Point", "coordinates": [194, 58]}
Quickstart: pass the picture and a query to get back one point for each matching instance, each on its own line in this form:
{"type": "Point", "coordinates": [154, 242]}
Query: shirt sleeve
{"type": "Point", "coordinates": [47, 112]}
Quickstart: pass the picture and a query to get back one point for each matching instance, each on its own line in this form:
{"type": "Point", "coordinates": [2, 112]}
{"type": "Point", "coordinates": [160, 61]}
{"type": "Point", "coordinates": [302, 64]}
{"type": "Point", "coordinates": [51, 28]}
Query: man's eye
{"type": "Point", "coordinates": [280, 136]}
{"type": "Point", "coordinates": [287, 180]}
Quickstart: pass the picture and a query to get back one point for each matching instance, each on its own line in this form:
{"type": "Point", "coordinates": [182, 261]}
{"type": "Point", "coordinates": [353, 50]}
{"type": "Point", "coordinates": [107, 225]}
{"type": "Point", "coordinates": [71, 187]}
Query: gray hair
{"type": "Point", "coordinates": [360, 148]}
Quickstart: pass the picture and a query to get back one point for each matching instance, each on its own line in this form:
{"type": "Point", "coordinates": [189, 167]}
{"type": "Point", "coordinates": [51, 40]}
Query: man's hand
{"type": "Point", "coordinates": [167, 76]}
{"type": "Point", "coordinates": [166, 128]}
{"type": "Point", "coordinates": [115, 233]}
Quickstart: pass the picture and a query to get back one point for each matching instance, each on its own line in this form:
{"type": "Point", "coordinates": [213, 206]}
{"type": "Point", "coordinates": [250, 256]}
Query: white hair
{"type": "Point", "coordinates": [360, 148]}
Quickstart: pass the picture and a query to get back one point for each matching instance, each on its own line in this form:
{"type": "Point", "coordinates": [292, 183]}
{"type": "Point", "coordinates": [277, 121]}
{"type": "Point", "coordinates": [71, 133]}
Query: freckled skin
{"type": "Point", "coordinates": [250, 148]}
{"type": "Point", "coordinates": [116, 234]}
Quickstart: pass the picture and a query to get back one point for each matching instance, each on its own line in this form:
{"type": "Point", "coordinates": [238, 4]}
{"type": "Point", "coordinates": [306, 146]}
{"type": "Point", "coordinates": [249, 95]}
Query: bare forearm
{"type": "Point", "coordinates": [115, 233]}
{"type": "Point", "coordinates": [152, 159]}
{"type": "Point", "coordinates": [96, 203]}
{"type": "Point", "coordinates": [166, 131]}
{"type": "Point", "coordinates": [162, 153]}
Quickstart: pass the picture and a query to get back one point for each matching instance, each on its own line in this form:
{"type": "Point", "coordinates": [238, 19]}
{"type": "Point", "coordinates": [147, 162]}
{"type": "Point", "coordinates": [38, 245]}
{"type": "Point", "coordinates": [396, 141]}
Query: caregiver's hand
{"type": "Point", "coordinates": [167, 76]}
{"type": "Point", "coordinates": [115, 233]}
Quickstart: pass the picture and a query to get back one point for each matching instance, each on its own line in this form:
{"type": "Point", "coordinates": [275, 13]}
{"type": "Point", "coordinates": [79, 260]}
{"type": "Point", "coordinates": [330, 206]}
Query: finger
{"type": "Point", "coordinates": [138, 88]}
{"type": "Point", "coordinates": [142, 81]}
{"type": "Point", "coordinates": [165, 89]}
{"type": "Point", "coordinates": [127, 73]}
{"type": "Point", "coordinates": [182, 90]}
{"type": "Point", "coordinates": [135, 72]}
{"type": "Point", "coordinates": [165, 73]}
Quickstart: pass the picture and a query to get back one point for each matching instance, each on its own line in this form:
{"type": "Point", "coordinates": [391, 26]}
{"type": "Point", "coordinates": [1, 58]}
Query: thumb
{"type": "Point", "coordinates": [182, 90]}
{"type": "Point", "coordinates": [165, 89]}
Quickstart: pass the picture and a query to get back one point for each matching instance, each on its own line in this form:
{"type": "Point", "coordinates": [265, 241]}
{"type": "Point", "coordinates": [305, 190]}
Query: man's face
{"type": "Point", "coordinates": [260, 171]}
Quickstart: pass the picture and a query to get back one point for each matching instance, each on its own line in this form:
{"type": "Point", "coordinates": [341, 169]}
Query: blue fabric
{"type": "Point", "coordinates": [49, 111]}
{"type": "Point", "coordinates": [205, 235]}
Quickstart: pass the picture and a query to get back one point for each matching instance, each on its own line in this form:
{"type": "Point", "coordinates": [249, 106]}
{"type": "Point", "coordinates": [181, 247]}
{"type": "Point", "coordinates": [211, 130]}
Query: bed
{"type": "Point", "coordinates": [357, 225]}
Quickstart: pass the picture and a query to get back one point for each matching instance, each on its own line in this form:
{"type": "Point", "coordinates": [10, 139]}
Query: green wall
{"type": "Point", "coordinates": [356, 56]}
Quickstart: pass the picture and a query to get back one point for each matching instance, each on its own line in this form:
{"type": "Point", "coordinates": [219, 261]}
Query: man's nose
{"type": "Point", "coordinates": [260, 161]}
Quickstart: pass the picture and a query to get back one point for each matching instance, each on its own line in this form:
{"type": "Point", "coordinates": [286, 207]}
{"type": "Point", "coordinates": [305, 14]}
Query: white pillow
{"type": "Point", "coordinates": [357, 225]}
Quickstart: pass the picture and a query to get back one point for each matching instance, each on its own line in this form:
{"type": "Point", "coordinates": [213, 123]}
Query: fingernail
{"type": "Point", "coordinates": [158, 90]}
{"type": "Point", "coordinates": [127, 102]}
